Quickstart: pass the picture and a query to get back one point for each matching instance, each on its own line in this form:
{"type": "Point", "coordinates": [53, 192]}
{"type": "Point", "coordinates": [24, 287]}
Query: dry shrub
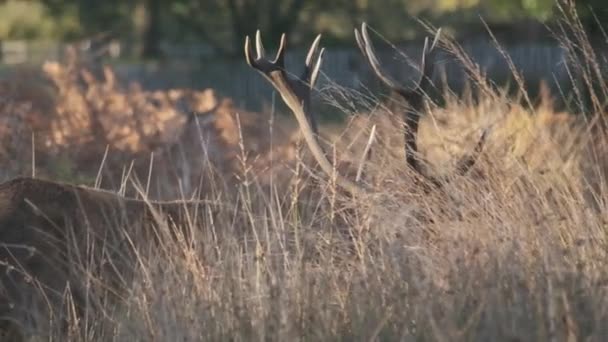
{"type": "Point", "coordinates": [20, 118]}
{"type": "Point", "coordinates": [75, 110]}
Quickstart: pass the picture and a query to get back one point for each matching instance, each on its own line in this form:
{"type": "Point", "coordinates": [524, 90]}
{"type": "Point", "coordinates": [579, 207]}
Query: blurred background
{"type": "Point", "coordinates": [92, 88]}
{"type": "Point", "coordinates": [198, 43]}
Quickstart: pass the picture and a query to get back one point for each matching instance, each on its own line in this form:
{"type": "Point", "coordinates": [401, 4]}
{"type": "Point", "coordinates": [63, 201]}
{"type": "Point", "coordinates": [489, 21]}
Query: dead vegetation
{"type": "Point", "coordinates": [513, 249]}
{"type": "Point", "coordinates": [77, 121]}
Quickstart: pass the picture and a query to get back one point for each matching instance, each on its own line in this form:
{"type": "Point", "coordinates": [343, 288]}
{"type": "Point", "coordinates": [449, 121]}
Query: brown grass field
{"type": "Point", "coordinates": [515, 250]}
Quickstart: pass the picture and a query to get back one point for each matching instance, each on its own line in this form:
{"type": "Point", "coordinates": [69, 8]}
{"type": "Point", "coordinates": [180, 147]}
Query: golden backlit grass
{"type": "Point", "coordinates": [514, 250]}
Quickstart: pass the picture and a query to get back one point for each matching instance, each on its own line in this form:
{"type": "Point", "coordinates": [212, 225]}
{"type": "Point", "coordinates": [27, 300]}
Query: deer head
{"type": "Point", "coordinates": [296, 93]}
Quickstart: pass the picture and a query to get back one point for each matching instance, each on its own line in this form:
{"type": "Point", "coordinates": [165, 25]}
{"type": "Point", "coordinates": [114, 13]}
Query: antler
{"type": "Point", "coordinates": [415, 100]}
{"type": "Point", "coordinates": [296, 93]}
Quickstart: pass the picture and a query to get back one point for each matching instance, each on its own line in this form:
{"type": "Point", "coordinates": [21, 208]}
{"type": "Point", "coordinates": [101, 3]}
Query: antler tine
{"type": "Point", "coordinates": [259, 46]}
{"type": "Point", "coordinates": [428, 52]}
{"type": "Point", "coordinates": [249, 53]}
{"type": "Point", "coordinates": [260, 62]}
{"type": "Point", "coordinates": [360, 42]}
{"type": "Point", "coordinates": [436, 39]}
{"type": "Point", "coordinates": [279, 60]}
{"type": "Point", "coordinates": [311, 68]}
{"type": "Point", "coordinates": [370, 54]}
{"type": "Point", "coordinates": [313, 48]}
{"type": "Point", "coordinates": [315, 70]}
{"type": "Point", "coordinates": [424, 66]}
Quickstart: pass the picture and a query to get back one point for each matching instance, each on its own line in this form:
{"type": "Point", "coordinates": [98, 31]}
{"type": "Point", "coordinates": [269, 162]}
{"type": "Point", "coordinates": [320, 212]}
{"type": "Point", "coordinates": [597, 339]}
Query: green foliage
{"type": "Point", "coordinates": [63, 168]}
{"type": "Point", "coordinates": [593, 13]}
{"type": "Point", "coordinates": [223, 23]}
{"type": "Point", "coordinates": [541, 9]}
{"type": "Point", "coordinates": [23, 20]}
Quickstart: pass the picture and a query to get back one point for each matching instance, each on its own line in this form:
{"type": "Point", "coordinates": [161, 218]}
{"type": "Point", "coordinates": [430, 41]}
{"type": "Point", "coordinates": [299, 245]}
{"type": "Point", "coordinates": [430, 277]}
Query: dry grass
{"type": "Point", "coordinates": [516, 250]}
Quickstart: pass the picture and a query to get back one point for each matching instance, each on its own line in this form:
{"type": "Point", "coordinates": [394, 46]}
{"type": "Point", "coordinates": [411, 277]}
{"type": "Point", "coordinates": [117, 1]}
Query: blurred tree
{"type": "Point", "coordinates": [516, 9]}
{"type": "Point", "coordinates": [224, 23]}
{"type": "Point", "coordinates": [19, 20]}
{"type": "Point", "coordinates": [148, 27]}
{"type": "Point", "coordinates": [97, 16]}
{"type": "Point", "coordinates": [594, 15]}
{"type": "Point", "coordinates": [94, 16]}
{"type": "Point", "coordinates": [137, 20]}
{"type": "Point", "coordinates": [153, 29]}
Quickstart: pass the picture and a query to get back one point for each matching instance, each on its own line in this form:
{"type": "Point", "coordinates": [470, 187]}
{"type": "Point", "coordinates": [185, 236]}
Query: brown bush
{"type": "Point", "coordinates": [75, 111]}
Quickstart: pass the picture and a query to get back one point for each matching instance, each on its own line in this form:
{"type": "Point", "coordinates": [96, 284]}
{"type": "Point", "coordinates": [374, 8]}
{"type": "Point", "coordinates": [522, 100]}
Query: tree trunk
{"type": "Point", "coordinates": [152, 30]}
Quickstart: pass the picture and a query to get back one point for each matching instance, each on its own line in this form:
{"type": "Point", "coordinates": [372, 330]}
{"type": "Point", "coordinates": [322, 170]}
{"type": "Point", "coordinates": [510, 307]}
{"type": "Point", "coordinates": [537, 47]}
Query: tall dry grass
{"type": "Point", "coordinates": [515, 250]}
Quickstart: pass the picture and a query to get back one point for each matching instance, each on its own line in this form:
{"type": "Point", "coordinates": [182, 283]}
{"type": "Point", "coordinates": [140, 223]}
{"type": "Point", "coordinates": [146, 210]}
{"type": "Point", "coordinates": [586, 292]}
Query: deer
{"type": "Point", "coordinates": [53, 234]}
{"type": "Point", "coordinates": [50, 229]}
{"type": "Point", "coordinates": [296, 93]}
